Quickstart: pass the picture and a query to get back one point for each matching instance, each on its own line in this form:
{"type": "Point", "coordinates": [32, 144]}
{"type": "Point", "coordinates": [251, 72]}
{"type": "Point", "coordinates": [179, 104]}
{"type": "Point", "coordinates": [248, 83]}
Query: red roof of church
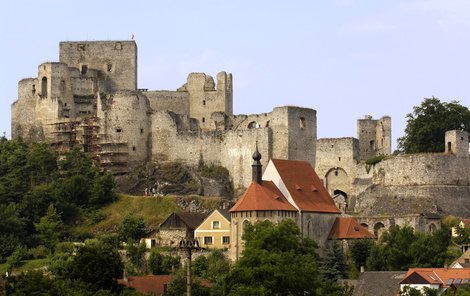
{"type": "Point", "coordinates": [262, 197]}
{"type": "Point", "coordinates": [348, 228]}
{"type": "Point", "coordinates": [305, 186]}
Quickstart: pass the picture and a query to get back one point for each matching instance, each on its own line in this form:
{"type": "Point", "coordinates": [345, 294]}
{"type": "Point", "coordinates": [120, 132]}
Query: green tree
{"type": "Point", "coordinates": [132, 228]}
{"type": "Point", "coordinates": [97, 265]}
{"type": "Point", "coordinates": [42, 163]}
{"type": "Point", "coordinates": [426, 126]}
{"type": "Point", "coordinates": [218, 266]}
{"type": "Point", "coordinates": [50, 227]}
{"type": "Point", "coordinates": [276, 261]}
{"type": "Point", "coordinates": [155, 262]}
{"type": "Point", "coordinates": [200, 266]}
{"type": "Point", "coordinates": [177, 287]}
{"type": "Point", "coordinates": [360, 250]}
{"type": "Point", "coordinates": [463, 236]}
{"type": "Point", "coordinates": [102, 190]}
{"type": "Point", "coordinates": [12, 229]}
{"type": "Point", "coordinates": [136, 256]}
{"type": "Point", "coordinates": [333, 266]}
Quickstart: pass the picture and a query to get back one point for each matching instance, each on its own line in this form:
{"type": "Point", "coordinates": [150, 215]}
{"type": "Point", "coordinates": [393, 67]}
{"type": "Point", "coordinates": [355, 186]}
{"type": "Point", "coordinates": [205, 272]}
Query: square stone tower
{"type": "Point", "coordinates": [457, 143]}
{"type": "Point", "coordinates": [116, 61]}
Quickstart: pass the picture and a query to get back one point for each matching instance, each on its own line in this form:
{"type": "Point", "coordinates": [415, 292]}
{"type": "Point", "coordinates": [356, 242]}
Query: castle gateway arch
{"type": "Point", "coordinates": [338, 185]}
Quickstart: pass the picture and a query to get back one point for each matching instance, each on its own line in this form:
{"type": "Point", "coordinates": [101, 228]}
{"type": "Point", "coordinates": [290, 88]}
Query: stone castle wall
{"type": "Point", "coordinates": [116, 61]}
{"type": "Point", "coordinates": [423, 169]}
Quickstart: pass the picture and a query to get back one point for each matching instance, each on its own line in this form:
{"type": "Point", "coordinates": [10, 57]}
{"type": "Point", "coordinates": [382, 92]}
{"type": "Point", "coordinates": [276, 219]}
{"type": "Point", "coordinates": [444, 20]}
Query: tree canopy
{"type": "Point", "coordinates": [276, 261]}
{"type": "Point", "coordinates": [427, 124]}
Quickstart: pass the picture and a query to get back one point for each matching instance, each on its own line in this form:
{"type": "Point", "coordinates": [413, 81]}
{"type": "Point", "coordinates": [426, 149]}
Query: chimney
{"type": "Point", "coordinates": [256, 166]}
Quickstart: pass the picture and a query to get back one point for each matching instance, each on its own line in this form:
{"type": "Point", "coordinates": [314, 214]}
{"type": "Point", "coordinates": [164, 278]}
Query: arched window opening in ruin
{"type": "Point", "coordinates": [203, 119]}
{"type": "Point", "coordinates": [118, 130]}
{"type": "Point", "coordinates": [84, 69]}
{"type": "Point", "coordinates": [341, 199]}
{"type": "Point", "coordinates": [34, 89]}
{"type": "Point", "coordinates": [372, 145]}
{"type": "Point", "coordinates": [339, 158]}
{"type": "Point", "coordinates": [133, 148]}
{"type": "Point", "coordinates": [449, 147]}
{"type": "Point", "coordinates": [365, 226]}
{"type": "Point", "coordinates": [336, 173]}
{"type": "Point", "coordinates": [44, 87]}
{"type": "Point", "coordinates": [267, 123]}
{"type": "Point", "coordinates": [432, 228]}
{"type": "Point", "coordinates": [253, 124]}
{"type": "Point", "coordinates": [378, 229]}
{"type": "Point", "coordinates": [203, 102]}
{"type": "Point", "coordinates": [302, 122]}
{"type": "Point", "coordinates": [141, 131]}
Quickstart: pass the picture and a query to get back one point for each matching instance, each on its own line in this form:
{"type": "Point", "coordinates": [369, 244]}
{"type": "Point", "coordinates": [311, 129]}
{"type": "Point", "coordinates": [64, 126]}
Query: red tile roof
{"type": "Point", "coordinates": [443, 277]}
{"type": "Point", "coordinates": [263, 197]}
{"type": "Point", "coordinates": [466, 222]}
{"type": "Point", "coordinates": [305, 186]}
{"type": "Point", "coordinates": [150, 284]}
{"type": "Point", "coordinates": [348, 228]}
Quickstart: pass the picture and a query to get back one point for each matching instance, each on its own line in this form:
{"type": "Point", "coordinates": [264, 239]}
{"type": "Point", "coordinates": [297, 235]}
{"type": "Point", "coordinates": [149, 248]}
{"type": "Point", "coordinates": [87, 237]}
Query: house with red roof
{"type": "Point", "coordinates": [435, 278]}
{"type": "Point", "coordinates": [346, 229]}
{"type": "Point", "coordinates": [288, 189]}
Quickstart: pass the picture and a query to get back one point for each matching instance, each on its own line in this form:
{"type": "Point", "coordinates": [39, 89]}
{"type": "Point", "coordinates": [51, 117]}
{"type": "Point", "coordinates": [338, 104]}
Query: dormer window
{"type": "Point", "coordinates": [215, 224]}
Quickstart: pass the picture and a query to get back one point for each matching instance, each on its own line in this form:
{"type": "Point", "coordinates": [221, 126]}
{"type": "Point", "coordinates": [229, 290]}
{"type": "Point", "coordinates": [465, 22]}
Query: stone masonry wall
{"type": "Point", "coordinates": [175, 101]}
{"type": "Point", "coordinates": [423, 169]}
{"type": "Point", "coordinates": [117, 60]}
{"type": "Point", "coordinates": [231, 149]}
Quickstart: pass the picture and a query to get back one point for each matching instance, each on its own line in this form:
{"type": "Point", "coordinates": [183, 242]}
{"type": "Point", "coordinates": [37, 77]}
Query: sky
{"type": "Point", "coordinates": [344, 58]}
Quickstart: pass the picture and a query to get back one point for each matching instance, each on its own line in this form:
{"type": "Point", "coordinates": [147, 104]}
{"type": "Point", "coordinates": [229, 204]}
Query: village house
{"type": "Point", "coordinates": [214, 231]}
{"type": "Point", "coordinates": [178, 226]}
{"type": "Point", "coordinates": [435, 278]}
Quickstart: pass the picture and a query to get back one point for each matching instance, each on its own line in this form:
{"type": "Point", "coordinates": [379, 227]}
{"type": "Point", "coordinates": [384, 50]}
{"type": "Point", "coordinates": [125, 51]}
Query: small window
{"type": "Point", "coordinates": [34, 89]}
{"type": "Point", "coordinates": [339, 158]}
{"type": "Point", "coordinates": [118, 130]}
{"type": "Point", "coordinates": [336, 173]}
{"type": "Point", "coordinates": [204, 102]}
{"type": "Point", "coordinates": [65, 104]}
{"type": "Point", "coordinates": [84, 69]}
{"type": "Point", "coordinates": [215, 224]}
{"type": "Point", "coordinates": [356, 228]}
{"type": "Point", "coordinates": [141, 130]}
{"type": "Point", "coordinates": [226, 240]}
{"type": "Point", "coordinates": [372, 145]}
{"type": "Point", "coordinates": [457, 281]}
{"type": "Point", "coordinates": [203, 119]}
{"type": "Point", "coordinates": [302, 122]}
{"type": "Point", "coordinates": [208, 240]}
{"type": "Point", "coordinates": [449, 282]}
{"type": "Point", "coordinates": [133, 148]}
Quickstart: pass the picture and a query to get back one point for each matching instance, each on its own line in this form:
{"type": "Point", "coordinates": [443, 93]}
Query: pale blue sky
{"type": "Point", "coordinates": [344, 58]}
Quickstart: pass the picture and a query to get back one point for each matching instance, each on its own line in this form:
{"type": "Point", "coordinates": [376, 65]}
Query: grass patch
{"type": "Point", "coordinates": [26, 265]}
{"type": "Point", "coordinates": [153, 209]}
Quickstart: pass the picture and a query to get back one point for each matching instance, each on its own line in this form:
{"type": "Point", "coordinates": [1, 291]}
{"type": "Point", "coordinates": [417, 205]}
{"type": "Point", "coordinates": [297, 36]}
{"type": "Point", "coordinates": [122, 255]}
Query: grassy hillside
{"type": "Point", "coordinates": [153, 209]}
